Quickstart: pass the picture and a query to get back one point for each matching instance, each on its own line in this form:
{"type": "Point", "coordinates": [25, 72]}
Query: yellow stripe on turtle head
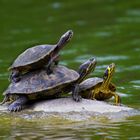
{"type": "Point", "coordinates": [108, 75]}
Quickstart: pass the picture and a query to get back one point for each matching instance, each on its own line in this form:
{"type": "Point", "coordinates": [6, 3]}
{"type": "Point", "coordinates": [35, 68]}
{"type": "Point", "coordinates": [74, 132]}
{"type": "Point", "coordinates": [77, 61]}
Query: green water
{"type": "Point", "coordinates": [109, 30]}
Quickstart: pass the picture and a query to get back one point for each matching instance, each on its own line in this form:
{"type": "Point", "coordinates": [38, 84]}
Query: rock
{"type": "Point", "coordinates": [68, 109]}
{"type": "Point", "coordinates": [69, 105]}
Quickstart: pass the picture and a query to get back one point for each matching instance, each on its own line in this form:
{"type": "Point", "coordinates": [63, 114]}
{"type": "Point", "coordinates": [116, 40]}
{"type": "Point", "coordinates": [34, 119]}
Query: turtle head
{"type": "Point", "coordinates": [65, 38]}
{"type": "Point", "coordinates": [86, 68]}
{"type": "Point", "coordinates": [109, 71]}
{"type": "Point", "coordinates": [108, 75]}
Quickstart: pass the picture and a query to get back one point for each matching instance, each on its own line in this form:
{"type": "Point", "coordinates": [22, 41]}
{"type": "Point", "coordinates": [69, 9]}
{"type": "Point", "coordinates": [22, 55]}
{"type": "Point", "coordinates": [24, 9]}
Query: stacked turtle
{"type": "Point", "coordinates": [35, 74]}
{"type": "Point", "coordinates": [99, 88]}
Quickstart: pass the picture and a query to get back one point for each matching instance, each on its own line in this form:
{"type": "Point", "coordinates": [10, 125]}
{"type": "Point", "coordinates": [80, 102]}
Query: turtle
{"type": "Point", "coordinates": [99, 88]}
{"type": "Point", "coordinates": [38, 85]}
{"type": "Point", "coordinates": [37, 57]}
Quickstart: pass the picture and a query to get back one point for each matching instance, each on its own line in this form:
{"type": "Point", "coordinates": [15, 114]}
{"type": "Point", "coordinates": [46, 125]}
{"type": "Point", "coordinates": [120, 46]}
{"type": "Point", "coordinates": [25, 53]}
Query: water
{"type": "Point", "coordinates": [107, 29]}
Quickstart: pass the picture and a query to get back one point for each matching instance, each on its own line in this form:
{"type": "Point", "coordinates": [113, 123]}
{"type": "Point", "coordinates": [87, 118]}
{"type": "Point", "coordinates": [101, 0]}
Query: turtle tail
{"type": "Point", "coordinates": [4, 100]}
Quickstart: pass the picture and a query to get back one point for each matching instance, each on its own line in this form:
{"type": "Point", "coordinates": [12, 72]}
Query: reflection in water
{"type": "Point", "coordinates": [69, 52]}
{"type": "Point", "coordinates": [136, 86]}
{"type": "Point", "coordinates": [137, 49]}
{"type": "Point", "coordinates": [134, 67]}
{"type": "Point", "coordinates": [19, 31]}
{"type": "Point", "coordinates": [103, 34]}
{"type": "Point", "coordinates": [81, 23]}
{"type": "Point", "coordinates": [133, 12]}
{"type": "Point", "coordinates": [112, 58]}
{"type": "Point", "coordinates": [135, 82]}
{"type": "Point", "coordinates": [128, 20]}
{"type": "Point", "coordinates": [4, 75]}
{"type": "Point", "coordinates": [1, 61]}
{"type": "Point", "coordinates": [56, 5]}
{"type": "Point", "coordinates": [55, 128]}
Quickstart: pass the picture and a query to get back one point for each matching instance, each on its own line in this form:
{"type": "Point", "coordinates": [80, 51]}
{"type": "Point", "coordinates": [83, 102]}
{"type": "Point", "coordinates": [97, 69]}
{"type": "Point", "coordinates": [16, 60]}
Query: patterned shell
{"type": "Point", "coordinates": [33, 55]}
{"type": "Point", "coordinates": [39, 82]}
{"type": "Point", "coordinates": [92, 82]}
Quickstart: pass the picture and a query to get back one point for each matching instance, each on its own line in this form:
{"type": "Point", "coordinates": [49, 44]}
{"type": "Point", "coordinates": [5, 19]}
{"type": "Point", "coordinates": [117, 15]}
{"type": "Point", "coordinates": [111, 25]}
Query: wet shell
{"type": "Point", "coordinates": [33, 57]}
{"type": "Point", "coordinates": [90, 83]}
{"type": "Point", "coordinates": [38, 82]}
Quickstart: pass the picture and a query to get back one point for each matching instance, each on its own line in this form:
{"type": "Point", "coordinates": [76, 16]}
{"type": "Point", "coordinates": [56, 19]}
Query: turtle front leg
{"type": "Point", "coordinates": [56, 59]}
{"type": "Point", "coordinates": [18, 104]}
{"type": "Point", "coordinates": [117, 98]}
{"type": "Point", "coordinates": [6, 98]}
{"type": "Point", "coordinates": [75, 94]}
{"type": "Point", "coordinates": [52, 63]}
{"type": "Point", "coordinates": [15, 76]}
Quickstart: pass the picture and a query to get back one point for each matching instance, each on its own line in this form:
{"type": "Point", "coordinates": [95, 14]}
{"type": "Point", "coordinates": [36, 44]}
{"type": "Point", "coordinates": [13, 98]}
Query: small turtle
{"type": "Point", "coordinates": [39, 85]}
{"type": "Point", "coordinates": [38, 56]}
{"type": "Point", "coordinates": [99, 88]}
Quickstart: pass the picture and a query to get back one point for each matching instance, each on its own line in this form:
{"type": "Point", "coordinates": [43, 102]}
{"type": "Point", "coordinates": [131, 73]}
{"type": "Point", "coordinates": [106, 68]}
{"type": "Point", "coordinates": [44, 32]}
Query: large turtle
{"type": "Point", "coordinates": [99, 88]}
{"type": "Point", "coordinates": [38, 84]}
{"type": "Point", "coordinates": [38, 56]}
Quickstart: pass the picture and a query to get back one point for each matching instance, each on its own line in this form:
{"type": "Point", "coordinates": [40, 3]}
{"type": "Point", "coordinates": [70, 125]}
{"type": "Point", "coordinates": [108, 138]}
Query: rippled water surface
{"type": "Point", "coordinates": [108, 30]}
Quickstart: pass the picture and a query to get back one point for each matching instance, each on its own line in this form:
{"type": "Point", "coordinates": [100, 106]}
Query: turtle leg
{"type": "Point", "coordinates": [15, 76]}
{"type": "Point", "coordinates": [52, 63]}
{"type": "Point", "coordinates": [6, 98]}
{"type": "Point", "coordinates": [56, 59]}
{"type": "Point", "coordinates": [91, 95]}
{"type": "Point", "coordinates": [75, 93]}
{"type": "Point", "coordinates": [117, 98]}
{"type": "Point", "coordinates": [17, 105]}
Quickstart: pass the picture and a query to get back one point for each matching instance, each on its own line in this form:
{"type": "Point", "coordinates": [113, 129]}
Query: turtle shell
{"type": "Point", "coordinates": [38, 82]}
{"type": "Point", "coordinates": [90, 83]}
{"type": "Point", "coordinates": [33, 57]}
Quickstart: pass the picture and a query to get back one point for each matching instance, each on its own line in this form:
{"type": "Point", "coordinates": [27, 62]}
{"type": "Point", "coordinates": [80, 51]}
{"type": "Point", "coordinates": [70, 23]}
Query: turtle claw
{"type": "Point", "coordinates": [118, 104]}
{"type": "Point", "coordinates": [15, 107]}
{"type": "Point", "coordinates": [18, 108]}
{"type": "Point", "coordinates": [77, 98]}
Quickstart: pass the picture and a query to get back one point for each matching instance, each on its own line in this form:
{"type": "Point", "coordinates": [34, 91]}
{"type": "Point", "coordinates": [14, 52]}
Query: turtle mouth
{"type": "Point", "coordinates": [112, 65]}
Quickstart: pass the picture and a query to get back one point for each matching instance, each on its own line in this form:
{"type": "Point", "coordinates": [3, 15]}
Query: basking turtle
{"type": "Point", "coordinates": [99, 88]}
{"type": "Point", "coordinates": [37, 57]}
{"type": "Point", "coordinates": [39, 85]}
